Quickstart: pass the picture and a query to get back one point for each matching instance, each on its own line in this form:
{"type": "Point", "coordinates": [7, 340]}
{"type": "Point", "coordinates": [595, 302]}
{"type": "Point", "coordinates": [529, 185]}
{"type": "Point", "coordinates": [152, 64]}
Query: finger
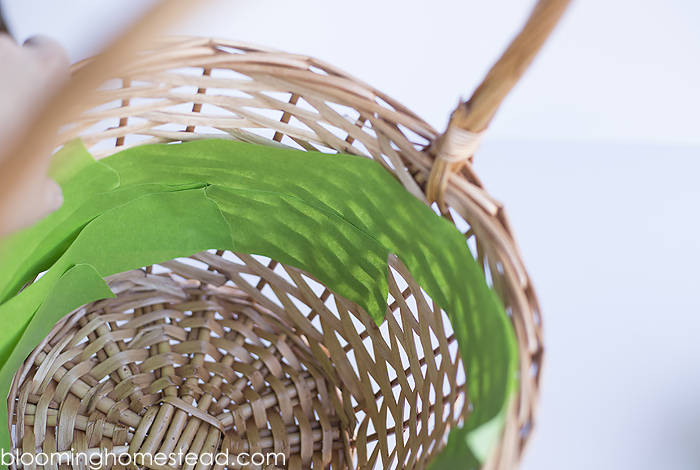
{"type": "Point", "coordinates": [49, 53]}
{"type": "Point", "coordinates": [28, 204]}
{"type": "Point", "coordinates": [5, 38]}
{"type": "Point", "coordinates": [8, 49]}
{"type": "Point", "coordinates": [53, 197]}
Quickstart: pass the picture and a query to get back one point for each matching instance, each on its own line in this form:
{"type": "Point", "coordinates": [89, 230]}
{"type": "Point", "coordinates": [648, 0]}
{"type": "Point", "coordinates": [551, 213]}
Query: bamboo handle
{"type": "Point", "coordinates": [475, 114]}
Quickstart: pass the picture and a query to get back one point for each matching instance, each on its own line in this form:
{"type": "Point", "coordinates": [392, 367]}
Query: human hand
{"type": "Point", "coordinates": [30, 76]}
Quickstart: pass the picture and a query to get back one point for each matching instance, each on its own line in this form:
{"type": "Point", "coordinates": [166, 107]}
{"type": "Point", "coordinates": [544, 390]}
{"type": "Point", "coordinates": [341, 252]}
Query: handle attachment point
{"type": "Point", "coordinates": [474, 116]}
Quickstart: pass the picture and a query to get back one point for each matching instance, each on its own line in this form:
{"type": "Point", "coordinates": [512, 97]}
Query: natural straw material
{"type": "Point", "coordinates": [170, 366]}
{"type": "Point", "coordinates": [229, 351]}
{"type": "Point", "coordinates": [404, 377]}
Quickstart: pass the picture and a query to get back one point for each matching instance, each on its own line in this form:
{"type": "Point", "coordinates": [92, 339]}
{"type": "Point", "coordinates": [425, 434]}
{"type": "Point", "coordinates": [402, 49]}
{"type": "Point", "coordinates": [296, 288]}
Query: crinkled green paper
{"type": "Point", "coordinates": [336, 217]}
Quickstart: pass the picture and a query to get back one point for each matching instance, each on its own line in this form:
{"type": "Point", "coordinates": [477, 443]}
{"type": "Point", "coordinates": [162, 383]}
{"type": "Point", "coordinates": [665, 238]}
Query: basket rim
{"type": "Point", "coordinates": [464, 192]}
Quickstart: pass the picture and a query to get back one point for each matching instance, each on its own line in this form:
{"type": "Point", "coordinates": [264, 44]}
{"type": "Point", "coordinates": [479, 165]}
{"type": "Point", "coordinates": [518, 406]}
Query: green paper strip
{"type": "Point", "coordinates": [315, 240]}
{"type": "Point", "coordinates": [33, 250]}
{"type": "Point", "coordinates": [85, 285]}
{"type": "Point", "coordinates": [336, 217]}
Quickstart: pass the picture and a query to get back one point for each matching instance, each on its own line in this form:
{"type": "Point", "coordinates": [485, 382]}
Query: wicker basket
{"type": "Point", "coordinates": [235, 352]}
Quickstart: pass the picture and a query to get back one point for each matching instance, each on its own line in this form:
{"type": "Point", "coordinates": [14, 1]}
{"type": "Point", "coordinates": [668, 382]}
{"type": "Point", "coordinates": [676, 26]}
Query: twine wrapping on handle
{"type": "Point", "coordinates": [455, 146]}
{"type": "Point", "coordinates": [474, 116]}
{"type": "Point", "coordinates": [459, 145]}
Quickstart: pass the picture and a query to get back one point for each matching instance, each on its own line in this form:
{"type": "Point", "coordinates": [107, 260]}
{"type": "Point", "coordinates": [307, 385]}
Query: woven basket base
{"type": "Point", "coordinates": [181, 364]}
{"type": "Point", "coordinates": [213, 356]}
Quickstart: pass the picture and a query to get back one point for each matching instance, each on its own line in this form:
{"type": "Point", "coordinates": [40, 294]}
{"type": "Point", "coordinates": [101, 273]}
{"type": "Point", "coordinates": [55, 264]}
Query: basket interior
{"type": "Point", "coordinates": [316, 377]}
{"type": "Point", "coordinates": [226, 352]}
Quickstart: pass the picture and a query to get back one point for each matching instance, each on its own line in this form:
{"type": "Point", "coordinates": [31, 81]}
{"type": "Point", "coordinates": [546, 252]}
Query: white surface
{"type": "Point", "coordinates": [609, 236]}
{"type": "Point", "coordinates": [608, 229]}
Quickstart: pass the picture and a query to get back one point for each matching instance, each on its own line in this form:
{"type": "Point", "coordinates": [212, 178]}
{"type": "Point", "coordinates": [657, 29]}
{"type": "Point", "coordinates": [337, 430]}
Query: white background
{"type": "Point", "coordinates": [595, 155]}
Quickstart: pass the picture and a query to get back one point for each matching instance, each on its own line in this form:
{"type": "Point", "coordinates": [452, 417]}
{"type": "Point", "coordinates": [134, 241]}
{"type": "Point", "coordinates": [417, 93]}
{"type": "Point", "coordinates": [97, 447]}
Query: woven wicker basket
{"type": "Point", "coordinates": [235, 352]}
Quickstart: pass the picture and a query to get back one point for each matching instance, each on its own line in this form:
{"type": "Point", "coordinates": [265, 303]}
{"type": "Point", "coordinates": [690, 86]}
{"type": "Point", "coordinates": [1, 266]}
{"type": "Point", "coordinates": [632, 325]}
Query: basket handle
{"type": "Point", "coordinates": [461, 139]}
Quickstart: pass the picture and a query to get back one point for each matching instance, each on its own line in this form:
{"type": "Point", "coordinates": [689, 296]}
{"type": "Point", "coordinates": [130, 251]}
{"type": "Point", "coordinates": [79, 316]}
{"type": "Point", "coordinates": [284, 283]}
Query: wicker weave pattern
{"type": "Point", "coordinates": [386, 396]}
{"type": "Point", "coordinates": [183, 360]}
